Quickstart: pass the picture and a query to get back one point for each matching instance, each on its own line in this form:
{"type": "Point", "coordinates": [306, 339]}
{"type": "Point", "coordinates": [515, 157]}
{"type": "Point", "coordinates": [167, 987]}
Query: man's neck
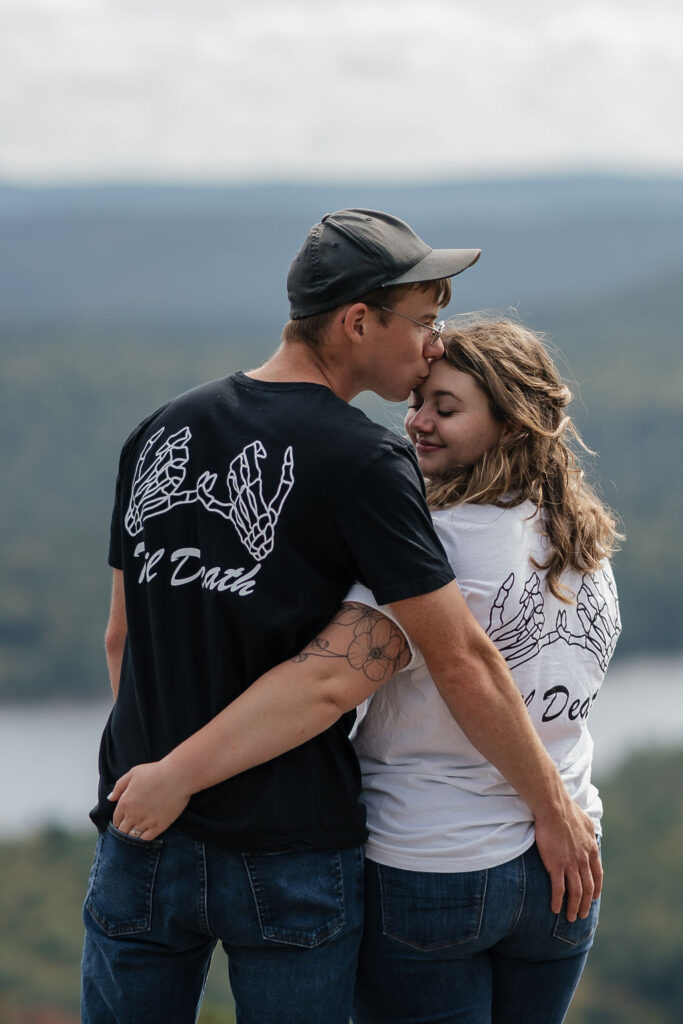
{"type": "Point", "coordinates": [295, 362]}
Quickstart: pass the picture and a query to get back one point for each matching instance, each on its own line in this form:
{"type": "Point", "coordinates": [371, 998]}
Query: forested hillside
{"type": "Point", "coordinates": [104, 316]}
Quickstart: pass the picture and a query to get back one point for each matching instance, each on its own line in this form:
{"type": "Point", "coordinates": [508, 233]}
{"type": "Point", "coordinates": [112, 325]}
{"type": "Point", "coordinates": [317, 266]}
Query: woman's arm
{"type": "Point", "coordinates": [353, 656]}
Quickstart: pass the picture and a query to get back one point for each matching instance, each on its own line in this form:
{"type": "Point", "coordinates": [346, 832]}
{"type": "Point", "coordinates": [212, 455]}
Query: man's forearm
{"type": "Point", "coordinates": [283, 709]}
{"type": "Point", "coordinates": [484, 700]}
{"type": "Point", "coordinates": [254, 728]}
{"type": "Point", "coordinates": [489, 709]}
{"type": "Point", "coordinates": [291, 703]}
{"type": "Point", "coordinates": [474, 681]}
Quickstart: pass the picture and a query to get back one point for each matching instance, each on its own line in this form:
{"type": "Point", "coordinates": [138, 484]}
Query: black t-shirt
{"type": "Point", "coordinates": [244, 511]}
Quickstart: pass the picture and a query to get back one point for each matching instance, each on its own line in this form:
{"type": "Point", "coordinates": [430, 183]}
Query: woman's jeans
{"type": "Point", "coordinates": [289, 922]}
{"type": "Point", "coordinates": [481, 947]}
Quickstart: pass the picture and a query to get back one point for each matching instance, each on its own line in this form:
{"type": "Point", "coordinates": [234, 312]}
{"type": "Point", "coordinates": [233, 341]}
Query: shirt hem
{"type": "Point", "coordinates": [255, 842]}
{"type": "Point", "coordinates": [445, 865]}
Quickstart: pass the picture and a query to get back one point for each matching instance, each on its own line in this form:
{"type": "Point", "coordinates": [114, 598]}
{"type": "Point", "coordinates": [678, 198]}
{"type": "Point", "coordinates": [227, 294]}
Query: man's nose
{"type": "Point", "coordinates": [433, 349]}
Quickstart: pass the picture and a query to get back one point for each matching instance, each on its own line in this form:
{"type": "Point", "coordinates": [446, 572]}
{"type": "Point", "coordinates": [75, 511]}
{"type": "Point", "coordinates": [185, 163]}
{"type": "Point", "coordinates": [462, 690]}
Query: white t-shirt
{"type": "Point", "coordinates": [433, 802]}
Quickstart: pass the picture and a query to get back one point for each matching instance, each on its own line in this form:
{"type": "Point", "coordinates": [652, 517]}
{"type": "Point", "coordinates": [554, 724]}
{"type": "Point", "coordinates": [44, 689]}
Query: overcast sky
{"type": "Point", "coordinates": [337, 90]}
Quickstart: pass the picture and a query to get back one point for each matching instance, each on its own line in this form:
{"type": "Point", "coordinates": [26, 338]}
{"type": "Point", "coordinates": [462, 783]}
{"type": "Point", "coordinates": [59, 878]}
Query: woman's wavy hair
{"type": "Point", "coordinates": [535, 461]}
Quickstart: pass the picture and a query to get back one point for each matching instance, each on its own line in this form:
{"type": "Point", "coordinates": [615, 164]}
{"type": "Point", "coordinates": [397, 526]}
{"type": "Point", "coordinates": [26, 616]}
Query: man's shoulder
{"type": "Point", "coordinates": [317, 415]}
{"type": "Point", "coordinates": [357, 426]}
{"type": "Point", "coordinates": [190, 402]}
{"type": "Point", "coordinates": [322, 428]}
{"type": "Point", "coordinates": [352, 439]}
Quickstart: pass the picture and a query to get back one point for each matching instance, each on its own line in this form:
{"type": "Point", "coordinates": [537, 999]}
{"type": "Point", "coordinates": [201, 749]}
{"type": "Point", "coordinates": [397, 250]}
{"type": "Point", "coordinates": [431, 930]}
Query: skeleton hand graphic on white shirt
{"type": "Point", "coordinates": [600, 623]}
{"type": "Point", "coordinates": [519, 638]}
{"type": "Point", "coordinates": [253, 518]}
{"type": "Point", "coordinates": [156, 487]}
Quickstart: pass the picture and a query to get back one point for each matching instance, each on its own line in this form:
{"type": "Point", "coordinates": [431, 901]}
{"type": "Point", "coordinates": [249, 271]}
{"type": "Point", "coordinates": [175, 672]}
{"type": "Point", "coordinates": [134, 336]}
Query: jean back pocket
{"type": "Point", "coordinates": [122, 882]}
{"type": "Point", "coordinates": [578, 933]}
{"type": "Point", "coordinates": [299, 895]}
{"type": "Point", "coordinates": [430, 910]}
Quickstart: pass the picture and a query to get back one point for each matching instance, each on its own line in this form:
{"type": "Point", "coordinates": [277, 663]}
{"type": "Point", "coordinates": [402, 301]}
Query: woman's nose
{"type": "Point", "coordinates": [422, 422]}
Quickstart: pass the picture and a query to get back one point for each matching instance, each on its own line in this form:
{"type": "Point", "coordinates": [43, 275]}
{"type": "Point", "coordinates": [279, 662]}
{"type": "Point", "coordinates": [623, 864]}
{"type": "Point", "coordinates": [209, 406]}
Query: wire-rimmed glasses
{"type": "Point", "coordinates": [434, 329]}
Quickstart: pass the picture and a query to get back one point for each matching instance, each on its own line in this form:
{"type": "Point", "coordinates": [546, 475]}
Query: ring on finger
{"type": "Point", "coordinates": [134, 832]}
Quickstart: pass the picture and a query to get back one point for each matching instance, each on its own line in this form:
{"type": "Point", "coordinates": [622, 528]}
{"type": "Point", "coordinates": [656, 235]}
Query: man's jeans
{"type": "Point", "coordinates": [289, 922]}
{"type": "Point", "coordinates": [481, 947]}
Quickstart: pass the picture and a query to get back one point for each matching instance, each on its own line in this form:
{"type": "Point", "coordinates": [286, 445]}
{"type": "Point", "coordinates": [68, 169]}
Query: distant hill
{"type": "Point", "coordinates": [215, 258]}
{"type": "Point", "coordinates": [113, 299]}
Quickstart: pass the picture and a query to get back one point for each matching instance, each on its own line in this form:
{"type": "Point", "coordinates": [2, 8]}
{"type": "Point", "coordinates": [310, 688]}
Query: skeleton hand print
{"type": "Point", "coordinates": [253, 518]}
{"type": "Point", "coordinates": [519, 638]}
{"type": "Point", "coordinates": [600, 623]}
{"type": "Point", "coordinates": [156, 487]}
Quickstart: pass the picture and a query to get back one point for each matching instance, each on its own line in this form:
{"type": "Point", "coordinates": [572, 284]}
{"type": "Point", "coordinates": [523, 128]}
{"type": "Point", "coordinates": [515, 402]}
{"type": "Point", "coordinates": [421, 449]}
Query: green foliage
{"type": "Point", "coordinates": [44, 880]}
{"type": "Point", "coordinates": [633, 974]}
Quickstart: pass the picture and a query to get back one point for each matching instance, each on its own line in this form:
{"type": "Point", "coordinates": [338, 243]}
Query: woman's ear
{"type": "Point", "coordinates": [512, 432]}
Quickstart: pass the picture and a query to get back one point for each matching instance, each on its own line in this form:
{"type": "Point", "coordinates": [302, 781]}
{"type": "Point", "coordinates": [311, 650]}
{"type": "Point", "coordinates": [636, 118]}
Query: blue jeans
{"type": "Point", "coordinates": [481, 947]}
{"type": "Point", "coordinates": [289, 922]}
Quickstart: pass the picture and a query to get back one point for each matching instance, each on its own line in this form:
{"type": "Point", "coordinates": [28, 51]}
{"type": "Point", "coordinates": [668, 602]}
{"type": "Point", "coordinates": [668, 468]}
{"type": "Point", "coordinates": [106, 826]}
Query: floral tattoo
{"type": "Point", "coordinates": [370, 642]}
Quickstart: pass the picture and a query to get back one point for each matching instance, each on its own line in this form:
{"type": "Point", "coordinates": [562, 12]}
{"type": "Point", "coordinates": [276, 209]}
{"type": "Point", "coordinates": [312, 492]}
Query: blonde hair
{"type": "Point", "coordinates": [535, 462]}
{"type": "Point", "coordinates": [311, 329]}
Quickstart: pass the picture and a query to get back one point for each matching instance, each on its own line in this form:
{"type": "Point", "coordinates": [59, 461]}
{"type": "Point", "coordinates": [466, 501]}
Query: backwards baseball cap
{"type": "Point", "coordinates": [352, 252]}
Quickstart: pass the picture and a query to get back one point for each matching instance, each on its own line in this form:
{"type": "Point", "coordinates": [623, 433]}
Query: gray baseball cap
{"type": "Point", "coordinates": [352, 252]}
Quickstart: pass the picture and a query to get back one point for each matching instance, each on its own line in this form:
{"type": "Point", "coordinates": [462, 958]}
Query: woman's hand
{"type": "Point", "coordinates": [149, 798]}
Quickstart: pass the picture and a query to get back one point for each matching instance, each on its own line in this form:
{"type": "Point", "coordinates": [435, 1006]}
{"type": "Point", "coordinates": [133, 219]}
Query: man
{"type": "Point", "coordinates": [244, 511]}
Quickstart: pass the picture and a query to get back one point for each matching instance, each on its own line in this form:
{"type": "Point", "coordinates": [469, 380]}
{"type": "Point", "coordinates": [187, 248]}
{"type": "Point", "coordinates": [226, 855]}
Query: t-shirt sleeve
{"type": "Point", "coordinates": [386, 525]}
{"type": "Point", "coordinates": [115, 531]}
{"type": "Point", "coordinates": [361, 595]}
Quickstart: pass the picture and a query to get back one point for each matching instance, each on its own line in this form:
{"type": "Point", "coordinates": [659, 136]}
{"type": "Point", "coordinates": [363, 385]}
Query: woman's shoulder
{"type": "Point", "coordinates": [503, 517]}
{"type": "Point", "coordinates": [479, 536]}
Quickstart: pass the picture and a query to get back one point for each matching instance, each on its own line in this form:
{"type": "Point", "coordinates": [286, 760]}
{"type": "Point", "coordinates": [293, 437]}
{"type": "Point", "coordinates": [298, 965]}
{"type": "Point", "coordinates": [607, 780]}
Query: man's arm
{"type": "Point", "coordinates": [355, 654]}
{"type": "Point", "coordinates": [473, 678]}
{"type": "Point", "coordinates": [117, 630]}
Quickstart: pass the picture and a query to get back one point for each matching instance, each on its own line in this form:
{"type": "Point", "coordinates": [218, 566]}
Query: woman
{"type": "Point", "coordinates": [459, 926]}
{"type": "Point", "coordinates": [458, 920]}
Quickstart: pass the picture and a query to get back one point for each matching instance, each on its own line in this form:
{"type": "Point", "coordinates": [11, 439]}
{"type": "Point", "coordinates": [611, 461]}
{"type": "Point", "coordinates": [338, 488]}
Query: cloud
{"type": "Point", "coordinates": [329, 89]}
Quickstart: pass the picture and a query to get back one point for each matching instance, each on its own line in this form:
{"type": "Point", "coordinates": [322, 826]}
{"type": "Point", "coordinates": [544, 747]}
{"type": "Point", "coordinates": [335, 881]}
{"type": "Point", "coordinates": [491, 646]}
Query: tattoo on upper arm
{"type": "Point", "coordinates": [369, 641]}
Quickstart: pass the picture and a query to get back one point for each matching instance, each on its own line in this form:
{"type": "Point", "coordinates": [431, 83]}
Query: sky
{"type": "Point", "coordinates": [337, 90]}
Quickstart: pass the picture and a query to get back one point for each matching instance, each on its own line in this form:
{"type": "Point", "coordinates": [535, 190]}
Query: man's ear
{"type": "Point", "coordinates": [356, 321]}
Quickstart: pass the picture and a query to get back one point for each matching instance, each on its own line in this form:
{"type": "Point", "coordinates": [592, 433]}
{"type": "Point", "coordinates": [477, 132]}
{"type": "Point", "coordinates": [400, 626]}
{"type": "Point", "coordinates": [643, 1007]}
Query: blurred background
{"type": "Point", "coordinates": [160, 165]}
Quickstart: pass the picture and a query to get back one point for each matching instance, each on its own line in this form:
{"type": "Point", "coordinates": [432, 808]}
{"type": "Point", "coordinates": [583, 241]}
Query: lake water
{"type": "Point", "coordinates": [48, 751]}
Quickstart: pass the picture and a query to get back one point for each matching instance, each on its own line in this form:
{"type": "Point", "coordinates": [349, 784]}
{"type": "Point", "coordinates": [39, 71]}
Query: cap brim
{"type": "Point", "coordinates": [437, 264]}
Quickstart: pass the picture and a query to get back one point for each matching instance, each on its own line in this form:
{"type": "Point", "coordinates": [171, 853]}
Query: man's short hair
{"type": "Point", "coordinates": [311, 330]}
